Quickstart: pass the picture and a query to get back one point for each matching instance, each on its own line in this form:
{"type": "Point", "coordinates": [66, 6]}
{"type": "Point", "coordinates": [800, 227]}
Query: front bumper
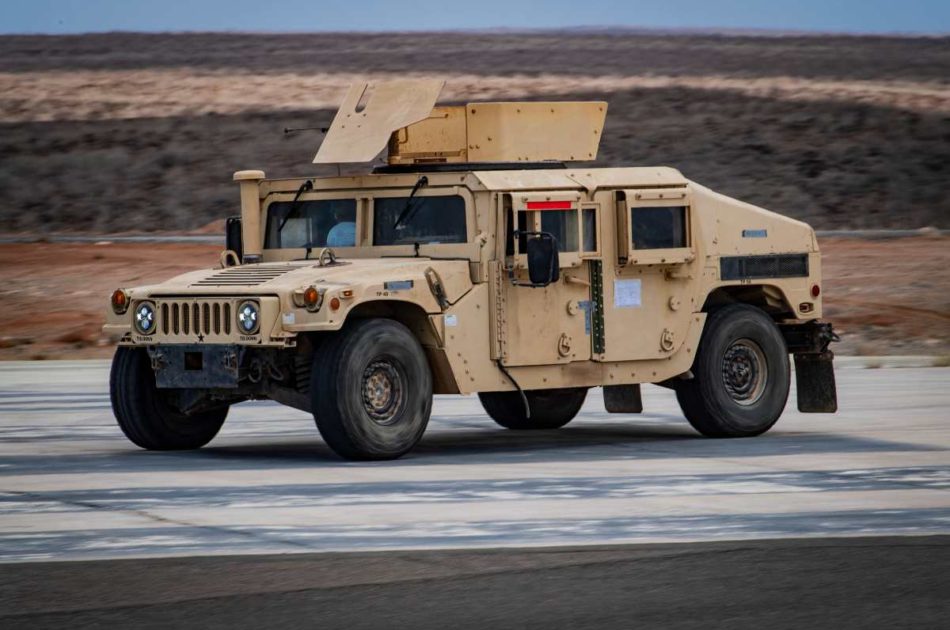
{"type": "Point", "coordinates": [197, 366]}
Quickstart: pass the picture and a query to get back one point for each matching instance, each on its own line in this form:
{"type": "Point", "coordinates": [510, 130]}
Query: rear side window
{"type": "Point", "coordinates": [659, 227]}
{"type": "Point", "coordinates": [425, 220]}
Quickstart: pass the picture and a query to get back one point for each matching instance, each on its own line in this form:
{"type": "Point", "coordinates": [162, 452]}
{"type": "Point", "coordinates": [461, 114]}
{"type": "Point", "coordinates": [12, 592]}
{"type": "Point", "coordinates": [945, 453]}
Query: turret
{"type": "Point", "coordinates": [403, 117]}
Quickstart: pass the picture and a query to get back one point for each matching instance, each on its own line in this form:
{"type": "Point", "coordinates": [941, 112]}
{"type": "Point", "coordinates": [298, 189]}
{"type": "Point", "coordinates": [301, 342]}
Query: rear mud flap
{"type": "Point", "coordinates": [623, 399]}
{"type": "Point", "coordinates": [815, 382]}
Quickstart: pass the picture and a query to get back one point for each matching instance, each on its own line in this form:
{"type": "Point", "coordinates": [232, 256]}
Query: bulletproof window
{"type": "Point", "coordinates": [428, 221]}
{"type": "Point", "coordinates": [572, 223]}
{"type": "Point", "coordinates": [317, 223]}
{"type": "Point", "coordinates": [658, 227]}
{"type": "Point", "coordinates": [563, 225]}
{"type": "Point", "coordinates": [589, 228]}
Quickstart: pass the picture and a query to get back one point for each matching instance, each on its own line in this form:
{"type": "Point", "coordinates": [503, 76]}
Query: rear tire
{"type": "Point", "coordinates": [550, 408]}
{"type": "Point", "coordinates": [147, 416]}
{"type": "Point", "coordinates": [740, 376]}
{"type": "Point", "coordinates": [372, 390]}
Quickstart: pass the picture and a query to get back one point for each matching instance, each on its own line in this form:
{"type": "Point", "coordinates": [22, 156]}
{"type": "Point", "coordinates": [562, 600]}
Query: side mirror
{"type": "Point", "coordinates": [544, 266]}
{"type": "Point", "coordinates": [232, 236]}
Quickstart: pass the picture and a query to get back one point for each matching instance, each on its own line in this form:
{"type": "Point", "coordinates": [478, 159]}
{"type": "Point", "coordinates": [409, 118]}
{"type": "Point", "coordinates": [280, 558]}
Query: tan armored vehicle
{"type": "Point", "coordinates": [476, 260]}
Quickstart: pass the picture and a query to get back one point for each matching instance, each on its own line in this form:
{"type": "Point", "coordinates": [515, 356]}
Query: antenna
{"type": "Point", "coordinates": [296, 129]}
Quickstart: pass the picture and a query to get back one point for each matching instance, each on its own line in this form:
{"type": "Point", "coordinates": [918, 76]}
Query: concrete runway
{"type": "Point", "coordinates": [72, 488]}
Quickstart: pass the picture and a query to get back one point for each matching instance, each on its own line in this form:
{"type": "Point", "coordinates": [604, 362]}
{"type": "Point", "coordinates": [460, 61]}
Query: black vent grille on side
{"type": "Point", "coordinates": [768, 266]}
{"type": "Point", "coordinates": [242, 276]}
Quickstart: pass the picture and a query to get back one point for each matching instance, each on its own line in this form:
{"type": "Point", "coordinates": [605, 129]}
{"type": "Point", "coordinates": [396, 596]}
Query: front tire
{"type": "Point", "coordinates": [147, 415]}
{"type": "Point", "coordinates": [372, 390]}
{"type": "Point", "coordinates": [550, 408]}
{"type": "Point", "coordinates": [741, 375]}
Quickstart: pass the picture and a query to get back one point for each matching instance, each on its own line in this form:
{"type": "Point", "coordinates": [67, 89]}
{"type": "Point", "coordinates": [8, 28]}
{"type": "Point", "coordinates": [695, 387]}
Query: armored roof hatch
{"type": "Point", "coordinates": [404, 114]}
{"type": "Point", "coordinates": [370, 114]}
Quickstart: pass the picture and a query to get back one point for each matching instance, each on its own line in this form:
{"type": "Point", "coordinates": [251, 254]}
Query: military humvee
{"type": "Point", "coordinates": [475, 261]}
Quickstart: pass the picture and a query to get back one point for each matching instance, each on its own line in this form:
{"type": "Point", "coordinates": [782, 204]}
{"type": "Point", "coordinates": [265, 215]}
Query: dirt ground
{"type": "Point", "coordinates": [143, 132]}
{"type": "Point", "coordinates": [884, 296]}
{"type": "Point", "coordinates": [122, 131]}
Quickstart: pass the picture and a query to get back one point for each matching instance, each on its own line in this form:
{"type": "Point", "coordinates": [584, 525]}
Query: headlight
{"type": "Point", "coordinates": [144, 318]}
{"type": "Point", "coordinates": [248, 320]}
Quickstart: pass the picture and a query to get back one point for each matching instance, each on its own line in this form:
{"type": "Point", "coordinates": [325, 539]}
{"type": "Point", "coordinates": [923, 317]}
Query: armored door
{"type": "Point", "coordinates": [647, 296]}
{"type": "Point", "coordinates": [550, 324]}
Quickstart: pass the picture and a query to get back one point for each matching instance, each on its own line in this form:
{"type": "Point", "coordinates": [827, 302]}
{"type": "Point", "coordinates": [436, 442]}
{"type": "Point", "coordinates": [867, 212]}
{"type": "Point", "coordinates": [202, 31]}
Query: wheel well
{"type": "Point", "coordinates": [769, 298]}
{"type": "Point", "coordinates": [409, 315]}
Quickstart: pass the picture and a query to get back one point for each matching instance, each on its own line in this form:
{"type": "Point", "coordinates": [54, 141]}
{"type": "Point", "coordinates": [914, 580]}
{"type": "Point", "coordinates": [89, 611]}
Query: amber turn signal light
{"type": "Point", "coordinates": [312, 298]}
{"type": "Point", "coordinates": [334, 304]}
{"type": "Point", "coordinates": [120, 301]}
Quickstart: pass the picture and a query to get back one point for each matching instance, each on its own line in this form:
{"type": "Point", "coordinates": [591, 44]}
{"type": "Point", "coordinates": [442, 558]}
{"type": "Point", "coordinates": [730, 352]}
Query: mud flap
{"type": "Point", "coordinates": [815, 382]}
{"type": "Point", "coordinates": [623, 399]}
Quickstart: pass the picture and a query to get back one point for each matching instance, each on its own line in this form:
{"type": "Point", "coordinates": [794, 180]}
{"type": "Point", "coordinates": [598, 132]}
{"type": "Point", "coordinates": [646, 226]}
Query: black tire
{"type": "Point", "coordinates": [550, 408]}
{"type": "Point", "coordinates": [741, 375]}
{"type": "Point", "coordinates": [372, 390]}
{"type": "Point", "coordinates": [145, 413]}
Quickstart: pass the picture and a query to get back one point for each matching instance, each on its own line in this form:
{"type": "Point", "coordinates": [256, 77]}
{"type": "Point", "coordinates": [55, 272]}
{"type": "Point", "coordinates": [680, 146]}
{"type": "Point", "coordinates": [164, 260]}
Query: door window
{"type": "Point", "coordinates": [589, 229]}
{"type": "Point", "coordinates": [563, 225]}
{"type": "Point", "coordinates": [661, 227]}
{"type": "Point", "coordinates": [573, 222]}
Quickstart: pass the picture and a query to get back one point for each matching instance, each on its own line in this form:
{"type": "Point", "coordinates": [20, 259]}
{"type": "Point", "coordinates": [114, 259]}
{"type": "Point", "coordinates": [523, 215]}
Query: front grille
{"type": "Point", "coordinates": [191, 318]}
{"type": "Point", "coordinates": [768, 266]}
{"type": "Point", "coordinates": [243, 276]}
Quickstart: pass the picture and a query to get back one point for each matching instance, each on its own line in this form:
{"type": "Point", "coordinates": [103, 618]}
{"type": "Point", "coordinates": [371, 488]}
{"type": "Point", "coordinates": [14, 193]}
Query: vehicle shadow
{"type": "Point", "coordinates": [459, 441]}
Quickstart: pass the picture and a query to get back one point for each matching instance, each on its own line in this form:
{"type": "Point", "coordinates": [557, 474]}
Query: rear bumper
{"type": "Point", "coordinates": [814, 365]}
{"type": "Point", "coordinates": [812, 337]}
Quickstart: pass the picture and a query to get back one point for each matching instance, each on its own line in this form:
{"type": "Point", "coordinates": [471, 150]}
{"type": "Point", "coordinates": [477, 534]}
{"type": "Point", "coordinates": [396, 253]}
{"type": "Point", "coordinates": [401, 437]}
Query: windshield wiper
{"type": "Point", "coordinates": [409, 208]}
{"type": "Point", "coordinates": [304, 187]}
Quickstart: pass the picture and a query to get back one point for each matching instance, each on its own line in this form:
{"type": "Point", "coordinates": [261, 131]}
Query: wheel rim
{"type": "Point", "coordinates": [745, 372]}
{"type": "Point", "coordinates": [382, 389]}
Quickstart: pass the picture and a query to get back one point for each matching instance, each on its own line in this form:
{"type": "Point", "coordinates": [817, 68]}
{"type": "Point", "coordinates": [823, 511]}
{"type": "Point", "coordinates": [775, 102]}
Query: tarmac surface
{"type": "Point", "coordinates": [776, 524]}
{"type": "Point", "coordinates": [839, 583]}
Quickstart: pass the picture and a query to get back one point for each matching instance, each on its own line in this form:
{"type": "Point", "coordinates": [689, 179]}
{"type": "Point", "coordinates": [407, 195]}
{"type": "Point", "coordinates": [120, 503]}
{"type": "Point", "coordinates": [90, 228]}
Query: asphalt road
{"type": "Point", "coordinates": [72, 488]}
{"type": "Point", "coordinates": [812, 583]}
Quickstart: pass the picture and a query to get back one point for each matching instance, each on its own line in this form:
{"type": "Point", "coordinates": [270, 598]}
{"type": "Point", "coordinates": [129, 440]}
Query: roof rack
{"type": "Point", "coordinates": [458, 167]}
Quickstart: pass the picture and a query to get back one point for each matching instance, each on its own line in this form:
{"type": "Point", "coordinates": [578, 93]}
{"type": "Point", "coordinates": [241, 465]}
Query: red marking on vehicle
{"type": "Point", "coordinates": [550, 205]}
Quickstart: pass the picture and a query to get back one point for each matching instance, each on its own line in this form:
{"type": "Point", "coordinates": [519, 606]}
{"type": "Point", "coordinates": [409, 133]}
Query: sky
{"type": "Point", "coordinates": [849, 16]}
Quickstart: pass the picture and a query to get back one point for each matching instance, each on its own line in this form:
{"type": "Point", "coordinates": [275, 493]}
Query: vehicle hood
{"type": "Point", "coordinates": [284, 277]}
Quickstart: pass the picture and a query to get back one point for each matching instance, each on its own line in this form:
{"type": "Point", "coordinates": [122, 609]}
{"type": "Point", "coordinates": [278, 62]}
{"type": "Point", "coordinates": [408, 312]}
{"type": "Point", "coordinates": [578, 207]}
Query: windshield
{"type": "Point", "coordinates": [429, 220]}
{"type": "Point", "coordinates": [322, 223]}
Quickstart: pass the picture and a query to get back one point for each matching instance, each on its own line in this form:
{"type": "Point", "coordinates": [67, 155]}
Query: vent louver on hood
{"type": "Point", "coordinates": [243, 276]}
